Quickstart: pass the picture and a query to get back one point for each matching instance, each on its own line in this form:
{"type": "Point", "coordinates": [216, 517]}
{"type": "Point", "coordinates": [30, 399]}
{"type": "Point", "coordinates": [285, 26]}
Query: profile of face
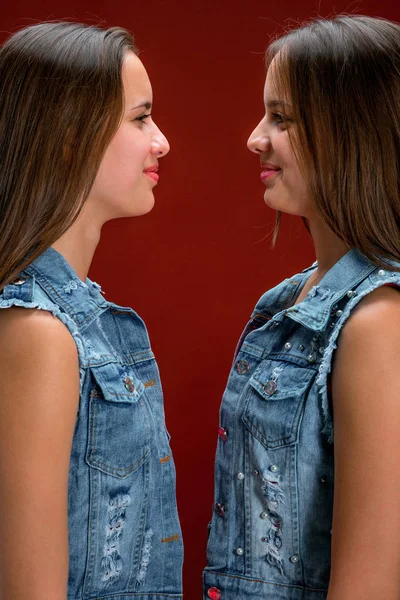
{"type": "Point", "coordinates": [128, 171]}
{"type": "Point", "coordinates": [285, 186]}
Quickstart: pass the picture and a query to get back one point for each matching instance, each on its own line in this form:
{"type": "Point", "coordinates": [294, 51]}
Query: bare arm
{"type": "Point", "coordinates": [366, 405]}
{"type": "Point", "coordinates": [39, 395]}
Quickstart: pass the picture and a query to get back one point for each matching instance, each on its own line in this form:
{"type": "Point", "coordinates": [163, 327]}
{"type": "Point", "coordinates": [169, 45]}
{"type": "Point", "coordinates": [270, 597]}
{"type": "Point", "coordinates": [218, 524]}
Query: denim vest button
{"type": "Point", "coordinates": [288, 345]}
{"type": "Point", "coordinates": [381, 273]}
{"type": "Point", "coordinates": [270, 387]}
{"type": "Point", "coordinates": [220, 508]}
{"type": "Point", "coordinates": [294, 559]}
{"type": "Point", "coordinates": [214, 593]}
{"type": "Point", "coordinates": [311, 358]}
{"type": "Point", "coordinates": [256, 472]}
{"type": "Point", "coordinates": [242, 366]}
{"type": "Point", "coordinates": [129, 384]}
{"type": "Point", "coordinates": [240, 476]}
{"type": "Point", "coordinates": [239, 551]}
{"type": "Point", "coordinates": [18, 281]}
{"type": "Point", "coordinates": [264, 515]}
{"type": "Point", "coordinates": [274, 468]}
{"type": "Point", "coordinates": [339, 313]}
{"type": "Point", "coordinates": [350, 294]}
{"type": "Point", "coordinates": [301, 347]}
{"type": "Point", "coordinates": [223, 433]}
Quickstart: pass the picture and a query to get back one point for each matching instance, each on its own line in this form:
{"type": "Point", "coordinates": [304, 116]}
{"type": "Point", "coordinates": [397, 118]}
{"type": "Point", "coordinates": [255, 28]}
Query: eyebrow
{"type": "Point", "coordinates": [274, 103]}
{"type": "Point", "coordinates": [147, 105]}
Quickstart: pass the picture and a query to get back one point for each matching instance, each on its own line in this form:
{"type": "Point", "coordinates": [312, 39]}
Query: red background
{"type": "Point", "coordinates": [195, 266]}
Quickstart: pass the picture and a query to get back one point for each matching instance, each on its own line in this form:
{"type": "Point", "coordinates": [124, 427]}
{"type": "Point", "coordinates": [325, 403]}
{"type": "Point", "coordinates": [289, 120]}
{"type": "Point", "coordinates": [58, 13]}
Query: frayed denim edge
{"type": "Point", "coordinates": [326, 364]}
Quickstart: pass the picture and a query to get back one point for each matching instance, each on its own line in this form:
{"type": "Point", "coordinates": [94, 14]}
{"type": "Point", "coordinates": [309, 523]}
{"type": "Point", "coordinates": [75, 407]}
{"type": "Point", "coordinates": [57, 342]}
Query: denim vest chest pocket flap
{"type": "Point", "coordinates": [274, 402]}
{"type": "Point", "coordinates": [119, 427]}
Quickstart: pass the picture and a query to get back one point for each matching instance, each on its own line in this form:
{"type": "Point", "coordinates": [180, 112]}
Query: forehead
{"type": "Point", "coordinates": [136, 82]}
{"type": "Point", "coordinates": [273, 88]}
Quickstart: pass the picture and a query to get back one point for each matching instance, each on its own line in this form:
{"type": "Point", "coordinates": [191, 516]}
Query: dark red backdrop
{"type": "Point", "coordinates": [196, 265]}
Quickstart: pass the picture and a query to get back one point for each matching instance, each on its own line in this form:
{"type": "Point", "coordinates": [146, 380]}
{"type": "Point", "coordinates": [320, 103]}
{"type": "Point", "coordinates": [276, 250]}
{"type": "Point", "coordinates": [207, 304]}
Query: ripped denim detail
{"type": "Point", "coordinates": [144, 562]}
{"type": "Point", "coordinates": [111, 562]}
{"type": "Point", "coordinates": [274, 498]}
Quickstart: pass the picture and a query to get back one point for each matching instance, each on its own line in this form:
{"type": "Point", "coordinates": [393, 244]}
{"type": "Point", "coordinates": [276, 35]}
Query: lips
{"type": "Point", "coordinates": [269, 170]}
{"type": "Point", "coordinates": [152, 172]}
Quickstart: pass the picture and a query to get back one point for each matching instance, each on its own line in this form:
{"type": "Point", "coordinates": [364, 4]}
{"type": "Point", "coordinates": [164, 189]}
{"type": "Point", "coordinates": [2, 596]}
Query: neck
{"type": "Point", "coordinates": [329, 248]}
{"type": "Point", "coordinates": [78, 244]}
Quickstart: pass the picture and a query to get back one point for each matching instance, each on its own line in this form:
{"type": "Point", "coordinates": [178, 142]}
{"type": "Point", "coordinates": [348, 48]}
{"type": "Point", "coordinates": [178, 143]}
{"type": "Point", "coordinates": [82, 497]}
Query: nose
{"type": "Point", "coordinates": [159, 143]}
{"type": "Point", "coordinates": [259, 141]}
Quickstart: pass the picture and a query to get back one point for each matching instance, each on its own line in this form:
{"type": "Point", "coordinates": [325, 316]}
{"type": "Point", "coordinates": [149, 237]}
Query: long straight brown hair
{"type": "Point", "coordinates": [342, 76]}
{"type": "Point", "coordinates": [61, 101]}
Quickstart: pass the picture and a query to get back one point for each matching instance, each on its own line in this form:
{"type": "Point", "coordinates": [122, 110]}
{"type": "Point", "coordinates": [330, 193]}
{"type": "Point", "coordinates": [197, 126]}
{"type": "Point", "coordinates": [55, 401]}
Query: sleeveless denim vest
{"type": "Point", "coordinates": [270, 534]}
{"type": "Point", "coordinates": [124, 533]}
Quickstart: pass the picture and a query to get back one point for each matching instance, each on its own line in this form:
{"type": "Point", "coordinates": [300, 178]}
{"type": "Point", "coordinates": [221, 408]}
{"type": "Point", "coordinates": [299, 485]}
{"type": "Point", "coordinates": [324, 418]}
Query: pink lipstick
{"type": "Point", "coordinates": [152, 172]}
{"type": "Point", "coordinates": [269, 171]}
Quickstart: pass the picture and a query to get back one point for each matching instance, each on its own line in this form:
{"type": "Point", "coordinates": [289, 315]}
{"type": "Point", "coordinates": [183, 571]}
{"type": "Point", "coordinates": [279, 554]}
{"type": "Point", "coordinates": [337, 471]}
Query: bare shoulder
{"type": "Point", "coordinates": [37, 352]}
{"type": "Point", "coordinates": [374, 323]}
{"type": "Point", "coordinates": [23, 330]}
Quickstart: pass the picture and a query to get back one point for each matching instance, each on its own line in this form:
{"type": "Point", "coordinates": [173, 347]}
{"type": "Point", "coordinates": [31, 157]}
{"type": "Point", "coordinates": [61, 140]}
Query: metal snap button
{"type": "Point", "coordinates": [220, 509]}
{"type": "Point", "coordinates": [242, 366]}
{"type": "Point", "coordinates": [18, 281]}
{"type": "Point", "coordinates": [223, 433]}
{"type": "Point", "coordinates": [270, 387]}
{"type": "Point", "coordinates": [129, 384]}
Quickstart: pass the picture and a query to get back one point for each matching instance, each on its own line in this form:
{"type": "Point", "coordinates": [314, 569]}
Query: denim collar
{"type": "Point", "coordinates": [345, 275]}
{"type": "Point", "coordinates": [82, 300]}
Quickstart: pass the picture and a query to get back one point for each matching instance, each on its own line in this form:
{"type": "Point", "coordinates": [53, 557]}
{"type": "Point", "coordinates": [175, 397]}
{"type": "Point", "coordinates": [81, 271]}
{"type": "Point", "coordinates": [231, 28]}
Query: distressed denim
{"type": "Point", "coordinates": [270, 533]}
{"type": "Point", "coordinates": [124, 534]}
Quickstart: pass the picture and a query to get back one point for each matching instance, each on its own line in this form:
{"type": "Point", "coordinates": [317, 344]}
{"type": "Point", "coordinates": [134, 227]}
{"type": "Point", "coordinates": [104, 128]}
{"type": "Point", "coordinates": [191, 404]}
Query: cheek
{"type": "Point", "coordinates": [127, 151]}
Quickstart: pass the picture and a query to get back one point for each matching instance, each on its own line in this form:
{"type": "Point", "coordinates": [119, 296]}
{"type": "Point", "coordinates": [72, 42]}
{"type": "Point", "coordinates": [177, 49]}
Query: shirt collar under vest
{"type": "Point", "coordinates": [345, 275]}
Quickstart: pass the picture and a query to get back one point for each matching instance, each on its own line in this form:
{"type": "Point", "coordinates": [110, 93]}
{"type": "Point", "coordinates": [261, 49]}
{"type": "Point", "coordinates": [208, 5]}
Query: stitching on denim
{"type": "Point", "coordinates": [173, 538]}
{"type": "Point", "coordinates": [283, 585]}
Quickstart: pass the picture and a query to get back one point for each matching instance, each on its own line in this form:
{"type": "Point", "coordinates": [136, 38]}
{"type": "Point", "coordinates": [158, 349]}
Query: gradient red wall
{"type": "Point", "coordinates": [196, 265]}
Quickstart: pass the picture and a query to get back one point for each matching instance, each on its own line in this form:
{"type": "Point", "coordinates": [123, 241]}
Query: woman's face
{"type": "Point", "coordinates": [128, 171]}
{"type": "Point", "coordinates": [285, 186]}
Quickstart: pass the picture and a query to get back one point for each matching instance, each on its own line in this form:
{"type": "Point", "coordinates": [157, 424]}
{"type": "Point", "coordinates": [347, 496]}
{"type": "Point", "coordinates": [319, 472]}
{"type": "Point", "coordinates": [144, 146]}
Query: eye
{"type": "Point", "coordinates": [279, 119]}
{"type": "Point", "coordinates": [143, 118]}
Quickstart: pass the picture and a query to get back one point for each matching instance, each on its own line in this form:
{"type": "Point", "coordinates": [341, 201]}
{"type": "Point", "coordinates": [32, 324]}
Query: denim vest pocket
{"type": "Point", "coordinates": [119, 435]}
{"type": "Point", "coordinates": [274, 402]}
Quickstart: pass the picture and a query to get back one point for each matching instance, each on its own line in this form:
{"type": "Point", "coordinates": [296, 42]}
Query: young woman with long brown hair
{"type": "Point", "coordinates": [87, 479]}
{"type": "Point", "coordinates": [307, 496]}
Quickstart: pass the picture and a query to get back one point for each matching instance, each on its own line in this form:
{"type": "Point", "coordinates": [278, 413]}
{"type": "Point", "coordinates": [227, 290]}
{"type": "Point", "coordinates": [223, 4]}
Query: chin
{"type": "Point", "coordinates": [141, 206]}
{"type": "Point", "coordinates": [283, 205]}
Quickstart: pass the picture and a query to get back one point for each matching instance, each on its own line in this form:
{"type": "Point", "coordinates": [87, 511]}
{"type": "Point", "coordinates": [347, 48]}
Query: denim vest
{"type": "Point", "coordinates": [270, 533]}
{"type": "Point", "coordinates": [124, 534]}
